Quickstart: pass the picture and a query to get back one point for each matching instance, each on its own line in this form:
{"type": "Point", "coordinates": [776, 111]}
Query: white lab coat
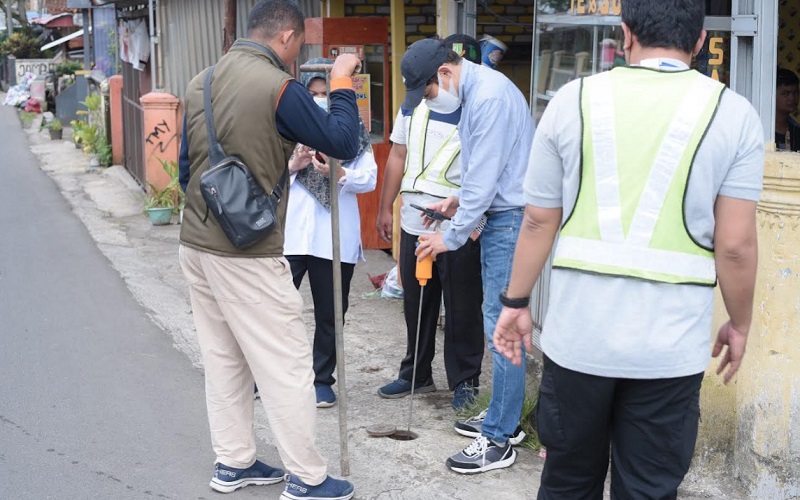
{"type": "Point", "coordinates": [308, 224]}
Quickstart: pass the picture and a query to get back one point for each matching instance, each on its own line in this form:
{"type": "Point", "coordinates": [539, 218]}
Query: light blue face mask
{"type": "Point", "coordinates": [322, 102]}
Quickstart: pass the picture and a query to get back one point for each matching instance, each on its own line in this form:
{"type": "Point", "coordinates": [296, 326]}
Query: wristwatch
{"type": "Point", "coordinates": [519, 303]}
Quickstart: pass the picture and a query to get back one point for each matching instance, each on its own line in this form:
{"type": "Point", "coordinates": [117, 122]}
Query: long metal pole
{"type": "Point", "coordinates": [87, 48]}
{"type": "Point", "coordinates": [338, 313]}
{"type": "Point", "coordinates": [151, 15]}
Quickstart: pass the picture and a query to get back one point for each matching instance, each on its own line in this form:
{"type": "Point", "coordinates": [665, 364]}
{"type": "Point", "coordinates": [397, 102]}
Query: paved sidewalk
{"type": "Point", "coordinates": [110, 204]}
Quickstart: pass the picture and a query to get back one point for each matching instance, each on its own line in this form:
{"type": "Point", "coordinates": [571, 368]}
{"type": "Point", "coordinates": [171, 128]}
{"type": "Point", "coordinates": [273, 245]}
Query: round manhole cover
{"type": "Point", "coordinates": [381, 430]}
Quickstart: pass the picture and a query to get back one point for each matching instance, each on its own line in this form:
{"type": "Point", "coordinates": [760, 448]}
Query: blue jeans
{"type": "Point", "coordinates": [498, 242]}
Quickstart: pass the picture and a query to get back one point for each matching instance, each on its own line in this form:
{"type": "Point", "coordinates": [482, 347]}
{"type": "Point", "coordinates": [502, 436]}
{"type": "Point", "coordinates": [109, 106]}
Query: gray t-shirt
{"type": "Point", "coordinates": [620, 327]}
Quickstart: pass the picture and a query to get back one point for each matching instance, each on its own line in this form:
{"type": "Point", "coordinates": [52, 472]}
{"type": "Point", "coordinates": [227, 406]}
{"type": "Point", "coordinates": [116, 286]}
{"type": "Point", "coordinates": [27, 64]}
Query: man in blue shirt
{"type": "Point", "coordinates": [496, 130]}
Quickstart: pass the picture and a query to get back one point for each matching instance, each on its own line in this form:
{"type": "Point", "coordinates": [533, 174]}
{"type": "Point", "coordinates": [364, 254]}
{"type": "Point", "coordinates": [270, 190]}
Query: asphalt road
{"type": "Point", "coordinates": [95, 402]}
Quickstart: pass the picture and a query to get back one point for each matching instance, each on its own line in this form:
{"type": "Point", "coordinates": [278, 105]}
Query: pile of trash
{"type": "Point", "coordinates": [19, 94]}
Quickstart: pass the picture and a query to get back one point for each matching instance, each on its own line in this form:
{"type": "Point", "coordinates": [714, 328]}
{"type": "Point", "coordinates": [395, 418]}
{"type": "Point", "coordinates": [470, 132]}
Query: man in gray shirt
{"type": "Point", "coordinates": [650, 175]}
{"type": "Point", "coordinates": [496, 130]}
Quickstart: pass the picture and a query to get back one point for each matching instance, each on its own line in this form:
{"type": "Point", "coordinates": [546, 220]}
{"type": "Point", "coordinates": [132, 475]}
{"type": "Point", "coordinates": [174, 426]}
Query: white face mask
{"type": "Point", "coordinates": [445, 102]}
{"type": "Point", "coordinates": [322, 102]}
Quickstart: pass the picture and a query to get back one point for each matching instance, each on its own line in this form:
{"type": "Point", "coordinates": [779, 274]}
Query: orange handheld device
{"type": "Point", "coordinates": [424, 270]}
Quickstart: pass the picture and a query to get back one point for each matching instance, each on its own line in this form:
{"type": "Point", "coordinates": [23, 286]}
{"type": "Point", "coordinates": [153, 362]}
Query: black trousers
{"type": "Point", "coordinates": [457, 274]}
{"type": "Point", "coordinates": [320, 277]}
{"type": "Point", "coordinates": [649, 425]}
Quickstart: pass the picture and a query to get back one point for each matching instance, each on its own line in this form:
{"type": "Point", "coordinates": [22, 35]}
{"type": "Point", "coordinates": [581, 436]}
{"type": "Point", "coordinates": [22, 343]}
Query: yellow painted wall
{"type": "Point", "coordinates": [753, 426]}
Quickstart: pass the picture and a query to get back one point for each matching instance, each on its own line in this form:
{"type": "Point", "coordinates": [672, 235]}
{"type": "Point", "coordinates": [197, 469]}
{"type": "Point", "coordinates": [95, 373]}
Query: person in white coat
{"type": "Point", "coordinates": [308, 246]}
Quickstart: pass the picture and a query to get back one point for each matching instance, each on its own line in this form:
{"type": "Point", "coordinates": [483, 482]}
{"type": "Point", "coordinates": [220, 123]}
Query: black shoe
{"type": "Point", "coordinates": [464, 396]}
{"type": "Point", "coordinates": [401, 388]}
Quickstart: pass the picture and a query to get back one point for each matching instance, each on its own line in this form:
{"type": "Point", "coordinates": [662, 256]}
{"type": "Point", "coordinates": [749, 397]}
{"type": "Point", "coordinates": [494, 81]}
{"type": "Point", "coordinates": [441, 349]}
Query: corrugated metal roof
{"type": "Point", "coordinates": [192, 36]}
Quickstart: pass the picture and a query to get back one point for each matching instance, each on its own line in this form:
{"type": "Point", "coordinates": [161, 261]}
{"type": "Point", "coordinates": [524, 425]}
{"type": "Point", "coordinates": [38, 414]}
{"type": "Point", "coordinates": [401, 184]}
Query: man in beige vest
{"type": "Point", "coordinates": [247, 312]}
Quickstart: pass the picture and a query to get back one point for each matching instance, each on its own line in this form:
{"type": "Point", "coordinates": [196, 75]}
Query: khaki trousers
{"type": "Point", "coordinates": [249, 322]}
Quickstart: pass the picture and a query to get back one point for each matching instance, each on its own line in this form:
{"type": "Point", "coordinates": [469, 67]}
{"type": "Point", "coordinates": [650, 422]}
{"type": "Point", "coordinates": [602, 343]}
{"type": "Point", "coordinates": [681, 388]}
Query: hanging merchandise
{"type": "Point", "coordinates": [124, 41]}
{"type": "Point", "coordinates": [134, 43]}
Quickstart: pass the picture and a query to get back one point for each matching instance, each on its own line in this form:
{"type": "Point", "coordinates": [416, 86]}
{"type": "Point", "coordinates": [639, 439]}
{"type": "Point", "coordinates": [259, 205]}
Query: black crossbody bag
{"type": "Point", "coordinates": [245, 212]}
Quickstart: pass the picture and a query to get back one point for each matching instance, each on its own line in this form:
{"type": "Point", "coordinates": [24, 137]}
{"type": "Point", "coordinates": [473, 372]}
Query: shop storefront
{"type": "Point", "coordinates": [576, 38]}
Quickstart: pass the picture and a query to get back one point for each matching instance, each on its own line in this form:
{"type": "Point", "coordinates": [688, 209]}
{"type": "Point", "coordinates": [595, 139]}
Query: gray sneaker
{"type": "Point", "coordinates": [471, 427]}
{"type": "Point", "coordinates": [482, 455]}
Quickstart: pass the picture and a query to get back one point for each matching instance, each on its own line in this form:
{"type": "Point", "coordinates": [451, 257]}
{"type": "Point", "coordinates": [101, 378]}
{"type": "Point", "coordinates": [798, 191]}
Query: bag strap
{"type": "Point", "coordinates": [215, 152]}
{"type": "Point", "coordinates": [278, 191]}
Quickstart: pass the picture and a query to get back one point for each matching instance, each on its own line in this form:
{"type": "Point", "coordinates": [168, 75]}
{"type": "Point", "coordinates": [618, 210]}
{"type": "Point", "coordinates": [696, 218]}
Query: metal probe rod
{"type": "Point", "coordinates": [423, 273]}
{"type": "Point", "coordinates": [338, 313]}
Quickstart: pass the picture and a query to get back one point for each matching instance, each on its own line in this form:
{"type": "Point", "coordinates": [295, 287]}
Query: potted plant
{"type": "Point", "coordinates": [159, 207]}
{"type": "Point", "coordinates": [56, 129]}
{"type": "Point", "coordinates": [162, 203]}
{"type": "Point", "coordinates": [77, 132]}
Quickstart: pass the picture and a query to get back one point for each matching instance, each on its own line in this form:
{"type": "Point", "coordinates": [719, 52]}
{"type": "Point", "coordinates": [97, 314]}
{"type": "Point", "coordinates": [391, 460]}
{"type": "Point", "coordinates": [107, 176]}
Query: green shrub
{"type": "Point", "coordinates": [68, 68]}
{"type": "Point", "coordinates": [27, 118]}
{"type": "Point", "coordinates": [103, 150]}
{"type": "Point", "coordinates": [55, 124]}
{"type": "Point", "coordinates": [22, 45]}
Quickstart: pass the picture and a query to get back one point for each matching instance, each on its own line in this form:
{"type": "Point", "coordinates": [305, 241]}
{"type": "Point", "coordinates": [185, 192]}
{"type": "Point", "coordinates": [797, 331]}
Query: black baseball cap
{"type": "Point", "coordinates": [465, 46]}
{"type": "Point", "coordinates": [420, 63]}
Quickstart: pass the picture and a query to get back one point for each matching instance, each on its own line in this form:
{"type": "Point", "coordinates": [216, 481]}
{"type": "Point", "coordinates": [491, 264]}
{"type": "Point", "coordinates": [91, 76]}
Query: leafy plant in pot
{"type": "Point", "coordinates": [162, 203]}
{"type": "Point", "coordinates": [56, 129]}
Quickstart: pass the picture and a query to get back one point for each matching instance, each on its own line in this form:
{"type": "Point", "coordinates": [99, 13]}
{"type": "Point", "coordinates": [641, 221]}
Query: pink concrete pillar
{"type": "Point", "coordinates": [117, 137]}
{"type": "Point", "coordinates": [161, 135]}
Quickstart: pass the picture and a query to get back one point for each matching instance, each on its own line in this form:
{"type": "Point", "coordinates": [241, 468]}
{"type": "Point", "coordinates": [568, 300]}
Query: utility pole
{"type": "Point", "coordinates": [229, 33]}
{"type": "Point", "coordinates": [9, 18]}
{"type": "Point", "coordinates": [23, 12]}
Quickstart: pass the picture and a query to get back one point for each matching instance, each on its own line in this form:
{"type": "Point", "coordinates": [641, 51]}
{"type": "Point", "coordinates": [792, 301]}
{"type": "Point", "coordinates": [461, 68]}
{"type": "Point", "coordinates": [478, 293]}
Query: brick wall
{"type": "Point", "coordinates": [56, 6]}
{"type": "Point", "coordinates": [421, 23]}
{"type": "Point", "coordinates": [517, 36]}
{"type": "Point", "coordinates": [421, 20]}
{"type": "Point", "coordinates": [420, 15]}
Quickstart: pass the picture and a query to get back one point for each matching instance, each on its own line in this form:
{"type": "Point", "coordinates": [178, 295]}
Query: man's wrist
{"type": "Point", "coordinates": [514, 302]}
{"type": "Point", "coordinates": [744, 329]}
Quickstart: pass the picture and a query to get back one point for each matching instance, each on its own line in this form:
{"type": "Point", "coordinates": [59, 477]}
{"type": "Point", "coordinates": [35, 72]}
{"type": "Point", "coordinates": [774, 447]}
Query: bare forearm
{"type": "Point", "coordinates": [392, 179]}
{"type": "Point", "coordinates": [736, 271]}
{"type": "Point", "coordinates": [536, 236]}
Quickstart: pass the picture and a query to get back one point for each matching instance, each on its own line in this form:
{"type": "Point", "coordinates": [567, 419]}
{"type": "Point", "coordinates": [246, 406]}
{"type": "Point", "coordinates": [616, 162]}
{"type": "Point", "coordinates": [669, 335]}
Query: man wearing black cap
{"type": "Point", "coordinates": [424, 166]}
{"type": "Point", "coordinates": [496, 131]}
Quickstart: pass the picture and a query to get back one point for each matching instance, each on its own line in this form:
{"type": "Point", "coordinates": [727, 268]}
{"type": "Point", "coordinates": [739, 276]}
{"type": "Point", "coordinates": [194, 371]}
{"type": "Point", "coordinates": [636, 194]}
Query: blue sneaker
{"type": "Point", "coordinates": [325, 396]}
{"type": "Point", "coordinates": [464, 396]}
{"type": "Point", "coordinates": [402, 387]}
{"type": "Point", "coordinates": [227, 479]}
{"type": "Point", "coordinates": [329, 489]}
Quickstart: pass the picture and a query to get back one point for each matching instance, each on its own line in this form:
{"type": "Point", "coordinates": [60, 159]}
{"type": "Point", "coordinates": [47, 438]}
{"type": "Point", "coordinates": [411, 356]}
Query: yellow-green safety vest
{"type": "Point", "coordinates": [437, 178]}
{"type": "Point", "coordinates": [637, 154]}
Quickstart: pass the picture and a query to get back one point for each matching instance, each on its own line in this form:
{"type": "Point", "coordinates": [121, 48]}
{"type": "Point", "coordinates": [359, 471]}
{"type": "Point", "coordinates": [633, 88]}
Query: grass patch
{"type": "Point", "coordinates": [526, 421]}
{"type": "Point", "coordinates": [27, 118]}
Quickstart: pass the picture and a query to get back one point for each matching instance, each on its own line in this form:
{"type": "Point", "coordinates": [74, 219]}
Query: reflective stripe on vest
{"type": "Point", "coordinates": [628, 219]}
{"type": "Point", "coordinates": [436, 177]}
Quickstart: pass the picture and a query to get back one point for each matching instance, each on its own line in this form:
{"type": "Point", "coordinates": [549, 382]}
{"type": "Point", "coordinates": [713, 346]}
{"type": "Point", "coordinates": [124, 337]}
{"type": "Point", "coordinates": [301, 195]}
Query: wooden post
{"type": "Point", "coordinates": [229, 34]}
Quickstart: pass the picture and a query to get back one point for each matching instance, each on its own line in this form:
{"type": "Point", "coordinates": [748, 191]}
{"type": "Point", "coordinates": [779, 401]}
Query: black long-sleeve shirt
{"type": "Point", "coordinates": [299, 119]}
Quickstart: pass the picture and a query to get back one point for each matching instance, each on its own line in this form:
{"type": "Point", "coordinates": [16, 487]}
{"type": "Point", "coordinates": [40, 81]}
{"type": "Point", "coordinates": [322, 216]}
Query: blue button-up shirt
{"type": "Point", "coordinates": [496, 131]}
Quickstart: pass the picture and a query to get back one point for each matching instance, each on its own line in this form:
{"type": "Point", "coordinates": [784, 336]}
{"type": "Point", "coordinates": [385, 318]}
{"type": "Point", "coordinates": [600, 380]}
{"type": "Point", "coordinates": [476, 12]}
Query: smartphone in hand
{"type": "Point", "coordinates": [430, 213]}
{"type": "Point", "coordinates": [319, 157]}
